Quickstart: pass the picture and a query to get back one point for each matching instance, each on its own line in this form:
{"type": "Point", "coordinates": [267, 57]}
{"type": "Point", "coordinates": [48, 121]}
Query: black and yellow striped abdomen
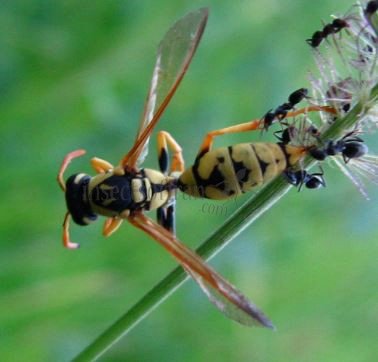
{"type": "Point", "coordinates": [230, 171]}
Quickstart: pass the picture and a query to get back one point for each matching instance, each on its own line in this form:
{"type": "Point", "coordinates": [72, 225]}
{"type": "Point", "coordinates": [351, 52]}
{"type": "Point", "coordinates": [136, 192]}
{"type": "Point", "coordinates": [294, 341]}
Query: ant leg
{"type": "Point", "coordinates": [100, 165]}
{"type": "Point", "coordinates": [111, 225]}
{"type": "Point", "coordinates": [319, 178]}
{"type": "Point", "coordinates": [295, 178]}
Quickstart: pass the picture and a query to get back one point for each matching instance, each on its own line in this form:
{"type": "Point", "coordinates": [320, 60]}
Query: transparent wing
{"type": "Point", "coordinates": [220, 292]}
{"type": "Point", "coordinates": [365, 167]}
{"type": "Point", "coordinates": [174, 55]}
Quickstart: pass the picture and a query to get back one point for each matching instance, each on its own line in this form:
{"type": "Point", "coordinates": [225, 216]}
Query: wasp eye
{"type": "Point", "coordinates": [77, 200]}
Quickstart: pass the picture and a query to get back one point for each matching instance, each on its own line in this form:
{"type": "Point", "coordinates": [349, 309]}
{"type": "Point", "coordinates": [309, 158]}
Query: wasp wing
{"type": "Point", "coordinates": [220, 292]}
{"type": "Point", "coordinates": [174, 55]}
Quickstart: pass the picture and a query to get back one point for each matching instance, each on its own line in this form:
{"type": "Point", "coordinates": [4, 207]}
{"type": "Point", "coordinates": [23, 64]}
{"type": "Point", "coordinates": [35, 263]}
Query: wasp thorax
{"type": "Point", "coordinates": [77, 199]}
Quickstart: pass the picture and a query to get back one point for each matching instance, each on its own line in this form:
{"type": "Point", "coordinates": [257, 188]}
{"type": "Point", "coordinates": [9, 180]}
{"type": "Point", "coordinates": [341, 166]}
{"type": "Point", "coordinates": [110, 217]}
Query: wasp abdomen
{"type": "Point", "coordinates": [230, 171]}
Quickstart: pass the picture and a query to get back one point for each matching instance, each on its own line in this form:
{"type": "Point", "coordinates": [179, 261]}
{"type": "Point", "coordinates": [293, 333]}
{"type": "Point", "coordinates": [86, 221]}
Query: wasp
{"type": "Point", "coordinates": [126, 191]}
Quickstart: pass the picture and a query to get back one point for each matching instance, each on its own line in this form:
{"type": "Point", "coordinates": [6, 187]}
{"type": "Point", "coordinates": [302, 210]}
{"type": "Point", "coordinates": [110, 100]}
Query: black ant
{"type": "Point", "coordinates": [299, 178]}
{"type": "Point", "coordinates": [371, 7]}
{"type": "Point", "coordinates": [302, 177]}
{"type": "Point", "coordinates": [286, 135]}
{"type": "Point", "coordinates": [332, 28]}
{"type": "Point", "coordinates": [281, 111]}
{"type": "Point", "coordinates": [349, 147]}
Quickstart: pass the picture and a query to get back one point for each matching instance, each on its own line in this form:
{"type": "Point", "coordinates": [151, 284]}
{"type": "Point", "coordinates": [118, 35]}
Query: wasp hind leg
{"type": "Point", "coordinates": [166, 215]}
{"type": "Point", "coordinates": [253, 125]}
{"type": "Point", "coordinates": [208, 141]}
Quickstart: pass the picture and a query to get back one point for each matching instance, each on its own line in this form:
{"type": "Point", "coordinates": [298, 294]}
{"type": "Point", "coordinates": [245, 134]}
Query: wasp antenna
{"type": "Point", "coordinates": [69, 157]}
{"type": "Point", "coordinates": [66, 233]}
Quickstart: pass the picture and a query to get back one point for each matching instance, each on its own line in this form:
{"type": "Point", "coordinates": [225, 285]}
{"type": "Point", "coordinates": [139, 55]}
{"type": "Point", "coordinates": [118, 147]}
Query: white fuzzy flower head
{"type": "Point", "coordinates": [346, 55]}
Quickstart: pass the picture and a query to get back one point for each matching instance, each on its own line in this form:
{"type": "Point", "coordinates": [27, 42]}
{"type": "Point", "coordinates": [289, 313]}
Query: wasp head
{"type": "Point", "coordinates": [77, 199]}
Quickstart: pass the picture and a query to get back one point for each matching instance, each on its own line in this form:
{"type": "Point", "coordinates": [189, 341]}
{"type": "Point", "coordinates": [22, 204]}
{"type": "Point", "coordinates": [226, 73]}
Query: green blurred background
{"type": "Point", "coordinates": [74, 75]}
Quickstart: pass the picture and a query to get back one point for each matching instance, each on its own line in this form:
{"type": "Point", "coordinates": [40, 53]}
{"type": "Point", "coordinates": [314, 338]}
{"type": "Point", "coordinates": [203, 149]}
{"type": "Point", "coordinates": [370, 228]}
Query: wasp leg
{"type": "Point", "coordinates": [313, 108]}
{"type": "Point", "coordinates": [166, 214]}
{"type": "Point", "coordinates": [243, 127]}
{"type": "Point", "coordinates": [69, 157]}
{"type": "Point", "coordinates": [166, 217]}
{"type": "Point", "coordinates": [66, 233]}
{"type": "Point", "coordinates": [256, 124]}
{"type": "Point", "coordinates": [164, 139]}
{"type": "Point", "coordinates": [111, 225]}
{"type": "Point", "coordinates": [100, 165]}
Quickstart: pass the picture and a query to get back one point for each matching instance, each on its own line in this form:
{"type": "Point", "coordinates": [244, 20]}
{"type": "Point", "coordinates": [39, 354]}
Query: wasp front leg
{"type": "Point", "coordinates": [100, 165]}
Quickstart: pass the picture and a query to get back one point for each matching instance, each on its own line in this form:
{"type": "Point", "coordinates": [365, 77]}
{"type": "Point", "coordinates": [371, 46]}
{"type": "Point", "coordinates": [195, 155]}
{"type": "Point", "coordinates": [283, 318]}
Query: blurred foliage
{"type": "Point", "coordinates": [74, 74]}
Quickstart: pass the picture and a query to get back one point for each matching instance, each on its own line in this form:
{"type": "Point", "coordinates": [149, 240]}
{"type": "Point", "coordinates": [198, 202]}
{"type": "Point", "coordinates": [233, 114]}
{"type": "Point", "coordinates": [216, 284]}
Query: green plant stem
{"type": "Point", "coordinates": [237, 222]}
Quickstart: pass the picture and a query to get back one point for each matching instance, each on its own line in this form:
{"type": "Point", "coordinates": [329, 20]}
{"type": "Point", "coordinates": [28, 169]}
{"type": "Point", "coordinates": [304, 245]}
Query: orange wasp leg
{"type": "Point", "coordinates": [66, 161]}
{"type": "Point", "coordinates": [66, 233]}
{"type": "Point", "coordinates": [315, 108]}
{"type": "Point", "coordinates": [243, 127]}
{"type": "Point", "coordinates": [111, 225]}
{"type": "Point", "coordinates": [100, 165]}
{"type": "Point", "coordinates": [254, 125]}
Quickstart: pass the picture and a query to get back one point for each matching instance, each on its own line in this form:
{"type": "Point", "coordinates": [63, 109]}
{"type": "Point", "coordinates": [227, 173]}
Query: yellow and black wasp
{"type": "Point", "coordinates": [126, 191]}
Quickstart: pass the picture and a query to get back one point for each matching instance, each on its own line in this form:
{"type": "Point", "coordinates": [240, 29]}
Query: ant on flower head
{"type": "Point", "coordinates": [331, 28]}
{"type": "Point", "coordinates": [281, 111]}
